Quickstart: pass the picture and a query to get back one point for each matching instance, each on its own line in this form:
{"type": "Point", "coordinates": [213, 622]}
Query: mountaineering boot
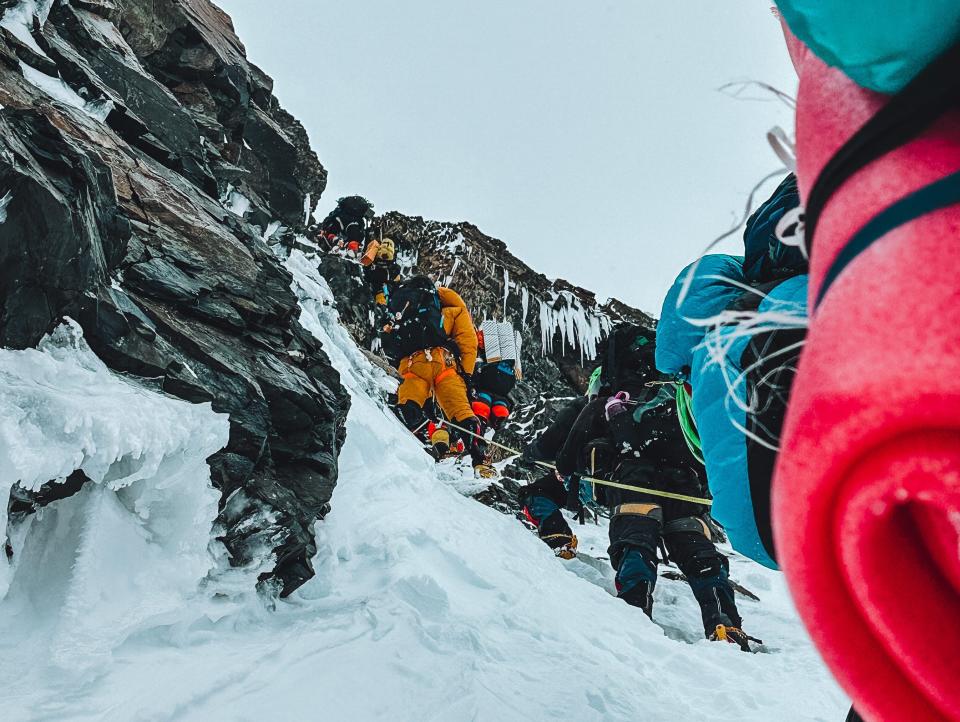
{"type": "Point", "coordinates": [568, 550]}
{"type": "Point", "coordinates": [541, 509]}
{"type": "Point", "coordinates": [639, 595]}
{"type": "Point", "coordinates": [733, 635]}
{"type": "Point", "coordinates": [440, 441]}
{"type": "Point", "coordinates": [563, 545]}
{"type": "Point", "coordinates": [412, 415]}
{"type": "Point", "coordinates": [485, 471]}
{"type": "Point", "coordinates": [477, 447]}
{"type": "Point", "coordinates": [634, 536]}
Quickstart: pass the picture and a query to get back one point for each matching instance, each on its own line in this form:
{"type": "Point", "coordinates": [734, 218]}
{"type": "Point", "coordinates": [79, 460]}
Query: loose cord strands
{"type": "Point", "coordinates": [746, 323]}
{"type": "Point", "coordinates": [737, 89]}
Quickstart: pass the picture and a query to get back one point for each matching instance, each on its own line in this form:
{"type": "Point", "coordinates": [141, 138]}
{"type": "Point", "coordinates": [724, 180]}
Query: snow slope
{"type": "Point", "coordinates": [426, 606]}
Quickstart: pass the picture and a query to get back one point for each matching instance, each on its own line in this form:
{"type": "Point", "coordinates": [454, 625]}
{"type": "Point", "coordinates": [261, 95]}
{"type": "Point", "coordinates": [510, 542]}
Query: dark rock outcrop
{"type": "Point", "coordinates": [143, 162]}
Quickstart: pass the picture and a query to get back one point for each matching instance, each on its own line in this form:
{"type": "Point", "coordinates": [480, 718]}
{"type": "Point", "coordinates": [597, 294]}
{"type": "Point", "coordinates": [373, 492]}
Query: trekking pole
{"type": "Point", "coordinates": [601, 482]}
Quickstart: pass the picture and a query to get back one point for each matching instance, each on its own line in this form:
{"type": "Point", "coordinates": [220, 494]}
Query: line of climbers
{"type": "Point", "coordinates": [631, 428]}
{"type": "Point", "coordinates": [636, 425]}
{"type": "Point", "coordinates": [627, 430]}
{"type": "Point", "coordinates": [451, 370]}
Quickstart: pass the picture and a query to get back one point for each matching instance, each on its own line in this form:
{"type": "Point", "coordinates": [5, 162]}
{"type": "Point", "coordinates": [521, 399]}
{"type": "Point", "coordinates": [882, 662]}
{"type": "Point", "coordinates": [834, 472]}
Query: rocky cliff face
{"type": "Point", "coordinates": [143, 163]}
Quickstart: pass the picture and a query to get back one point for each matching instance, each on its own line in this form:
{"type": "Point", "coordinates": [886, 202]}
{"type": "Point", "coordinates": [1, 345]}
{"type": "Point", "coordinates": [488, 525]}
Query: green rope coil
{"type": "Point", "coordinates": [687, 423]}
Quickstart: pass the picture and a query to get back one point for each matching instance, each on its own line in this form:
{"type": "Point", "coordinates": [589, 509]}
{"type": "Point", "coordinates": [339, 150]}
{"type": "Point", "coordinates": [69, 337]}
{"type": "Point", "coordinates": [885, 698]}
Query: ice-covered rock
{"type": "Point", "coordinates": [122, 125]}
{"type": "Point", "coordinates": [133, 544]}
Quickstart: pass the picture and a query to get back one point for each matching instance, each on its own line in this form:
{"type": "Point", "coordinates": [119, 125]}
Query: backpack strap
{"type": "Point", "coordinates": [936, 196]}
{"type": "Point", "coordinates": [908, 113]}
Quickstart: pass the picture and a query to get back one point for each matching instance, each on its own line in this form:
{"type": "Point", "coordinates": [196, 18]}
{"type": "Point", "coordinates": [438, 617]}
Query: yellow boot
{"type": "Point", "coordinates": [485, 471]}
{"type": "Point", "coordinates": [440, 440]}
{"type": "Point", "coordinates": [733, 635]}
{"type": "Point", "coordinates": [567, 548]}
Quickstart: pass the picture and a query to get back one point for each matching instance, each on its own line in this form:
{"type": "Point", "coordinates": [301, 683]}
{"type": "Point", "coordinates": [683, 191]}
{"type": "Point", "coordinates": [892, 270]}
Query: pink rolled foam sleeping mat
{"type": "Point", "coordinates": [866, 498]}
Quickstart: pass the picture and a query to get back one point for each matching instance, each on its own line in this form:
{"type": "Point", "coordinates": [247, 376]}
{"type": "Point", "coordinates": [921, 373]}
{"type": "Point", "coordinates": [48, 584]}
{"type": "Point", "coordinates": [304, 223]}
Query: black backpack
{"type": "Point", "coordinates": [353, 207]}
{"type": "Point", "coordinates": [650, 430]}
{"type": "Point", "coordinates": [766, 258]}
{"type": "Point", "coordinates": [416, 318]}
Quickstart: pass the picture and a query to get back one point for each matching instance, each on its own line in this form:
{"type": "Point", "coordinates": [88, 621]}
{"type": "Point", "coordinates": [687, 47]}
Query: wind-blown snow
{"type": "Point", "coordinates": [91, 570]}
{"type": "Point", "coordinates": [429, 606]}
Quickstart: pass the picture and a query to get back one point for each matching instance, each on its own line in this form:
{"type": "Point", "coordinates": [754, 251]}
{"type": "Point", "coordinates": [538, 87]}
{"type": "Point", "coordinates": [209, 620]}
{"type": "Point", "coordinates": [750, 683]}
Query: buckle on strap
{"type": "Point", "coordinates": [929, 199]}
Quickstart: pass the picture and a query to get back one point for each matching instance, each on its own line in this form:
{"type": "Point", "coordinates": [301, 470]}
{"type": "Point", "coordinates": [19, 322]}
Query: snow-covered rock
{"type": "Point", "coordinates": [122, 127]}
{"type": "Point", "coordinates": [134, 543]}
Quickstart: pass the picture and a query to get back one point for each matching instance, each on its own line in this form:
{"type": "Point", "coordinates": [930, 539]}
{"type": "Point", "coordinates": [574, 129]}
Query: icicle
{"type": "Point", "coordinates": [506, 289]}
{"type": "Point", "coordinates": [579, 327]}
{"type": "Point", "coordinates": [546, 328]}
{"type": "Point", "coordinates": [4, 202]}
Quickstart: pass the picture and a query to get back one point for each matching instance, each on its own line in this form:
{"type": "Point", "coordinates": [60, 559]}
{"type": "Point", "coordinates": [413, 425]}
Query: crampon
{"type": "Point", "coordinates": [734, 635]}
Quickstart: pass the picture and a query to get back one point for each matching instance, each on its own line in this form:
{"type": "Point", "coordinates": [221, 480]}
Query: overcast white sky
{"type": "Point", "coordinates": [589, 135]}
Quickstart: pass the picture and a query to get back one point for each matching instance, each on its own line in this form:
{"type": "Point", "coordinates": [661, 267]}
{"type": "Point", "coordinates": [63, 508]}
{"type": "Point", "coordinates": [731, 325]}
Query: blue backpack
{"type": "Point", "coordinates": [766, 259]}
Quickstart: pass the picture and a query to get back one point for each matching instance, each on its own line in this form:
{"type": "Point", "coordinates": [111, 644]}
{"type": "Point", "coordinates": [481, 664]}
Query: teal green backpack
{"type": "Point", "coordinates": [880, 44]}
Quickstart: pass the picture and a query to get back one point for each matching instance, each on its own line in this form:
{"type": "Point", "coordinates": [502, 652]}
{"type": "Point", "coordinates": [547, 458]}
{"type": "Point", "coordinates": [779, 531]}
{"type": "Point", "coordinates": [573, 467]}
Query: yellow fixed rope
{"type": "Point", "coordinates": [601, 482]}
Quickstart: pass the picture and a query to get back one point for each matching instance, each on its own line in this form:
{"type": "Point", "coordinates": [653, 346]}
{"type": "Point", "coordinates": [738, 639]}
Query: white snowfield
{"type": "Point", "coordinates": [426, 604]}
